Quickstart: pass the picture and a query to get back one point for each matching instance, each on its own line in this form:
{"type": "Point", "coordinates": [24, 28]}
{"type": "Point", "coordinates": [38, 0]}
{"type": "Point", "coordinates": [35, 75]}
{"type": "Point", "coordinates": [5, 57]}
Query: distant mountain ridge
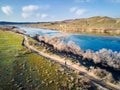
{"type": "Point", "coordinates": [9, 23]}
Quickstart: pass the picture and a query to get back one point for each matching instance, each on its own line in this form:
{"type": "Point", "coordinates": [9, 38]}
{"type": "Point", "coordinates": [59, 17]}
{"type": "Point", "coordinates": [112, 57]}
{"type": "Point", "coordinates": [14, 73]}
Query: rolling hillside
{"type": "Point", "coordinates": [93, 25]}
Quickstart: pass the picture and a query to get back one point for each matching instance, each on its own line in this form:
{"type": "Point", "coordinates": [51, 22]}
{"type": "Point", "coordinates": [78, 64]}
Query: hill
{"type": "Point", "coordinates": [93, 25]}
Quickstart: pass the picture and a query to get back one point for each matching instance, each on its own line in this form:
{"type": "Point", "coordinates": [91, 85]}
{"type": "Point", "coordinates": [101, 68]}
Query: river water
{"type": "Point", "coordinates": [85, 42]}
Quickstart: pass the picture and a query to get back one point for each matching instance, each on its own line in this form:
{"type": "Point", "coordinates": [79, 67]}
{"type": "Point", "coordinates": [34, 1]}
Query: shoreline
{"type": "Point", "coordinates": [75, 32]}
{"type": "Point", "coordinates": [69, 64]}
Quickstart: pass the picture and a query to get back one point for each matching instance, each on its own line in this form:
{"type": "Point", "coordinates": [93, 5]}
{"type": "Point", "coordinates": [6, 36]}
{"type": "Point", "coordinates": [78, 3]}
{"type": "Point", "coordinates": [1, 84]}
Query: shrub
{"type": "Point", "coordinates": [103, 56]}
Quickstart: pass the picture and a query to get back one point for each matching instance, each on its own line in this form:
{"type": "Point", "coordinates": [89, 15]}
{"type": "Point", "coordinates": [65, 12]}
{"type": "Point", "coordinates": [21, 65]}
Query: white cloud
{"type": "Point", "coordinates": [80, 11]}
{"type": "Point", "coordinates": [73, 9]}
{"type": "Point", "coordinates": [41, 16]}
{"type": "Point", "coordinates": [44, 15]}
{"type": "Point", "coordinates": [33, 10]}
{"type": "Point", "coordinates": [30, 8]}
{"type": "Point", "coordinates": [26, 15]}
{"type": "Point", "coordinates": [7, 10]}
{"type": "Point", "coordinates": [77, 11]}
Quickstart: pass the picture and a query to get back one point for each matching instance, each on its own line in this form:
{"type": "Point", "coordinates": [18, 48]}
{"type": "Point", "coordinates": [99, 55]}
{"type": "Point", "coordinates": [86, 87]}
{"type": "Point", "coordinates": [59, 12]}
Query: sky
{"type": "Point", "coordinates": [56, 10]}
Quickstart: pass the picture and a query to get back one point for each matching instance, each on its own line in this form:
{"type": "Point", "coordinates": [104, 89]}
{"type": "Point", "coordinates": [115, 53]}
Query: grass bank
{"type": "Point", "coordinates": [21, 69]}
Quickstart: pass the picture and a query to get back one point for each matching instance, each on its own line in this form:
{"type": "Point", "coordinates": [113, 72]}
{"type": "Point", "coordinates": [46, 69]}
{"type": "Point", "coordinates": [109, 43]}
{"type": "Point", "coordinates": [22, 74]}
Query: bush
{"type": "Point", "coordinates": [103, 56]}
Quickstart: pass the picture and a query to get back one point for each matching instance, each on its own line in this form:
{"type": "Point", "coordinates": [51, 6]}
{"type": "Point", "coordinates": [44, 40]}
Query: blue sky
{"type": "Point", "coordinates": [54, 10]}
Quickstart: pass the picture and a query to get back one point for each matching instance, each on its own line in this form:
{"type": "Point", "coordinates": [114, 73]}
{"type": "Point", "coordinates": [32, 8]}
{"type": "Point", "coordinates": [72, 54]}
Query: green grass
{"type": "Point", "coordinates": [10, 44]}
{"type": "Point", "coordinates": [22, 70]}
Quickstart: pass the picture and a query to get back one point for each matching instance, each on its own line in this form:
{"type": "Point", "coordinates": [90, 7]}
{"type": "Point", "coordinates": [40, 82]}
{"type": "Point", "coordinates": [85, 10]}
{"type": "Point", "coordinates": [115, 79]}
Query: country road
{"type": "Point", "coordinates": [71, 65]}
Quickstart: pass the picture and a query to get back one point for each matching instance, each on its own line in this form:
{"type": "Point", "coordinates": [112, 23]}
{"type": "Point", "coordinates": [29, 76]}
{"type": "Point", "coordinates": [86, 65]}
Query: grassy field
{"type": "Point", "coordinates": [20, 69]}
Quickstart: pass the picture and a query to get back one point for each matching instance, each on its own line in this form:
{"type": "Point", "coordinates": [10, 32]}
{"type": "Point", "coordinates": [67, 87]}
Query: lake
{"type": "Point", "coordinates": [85, 42]}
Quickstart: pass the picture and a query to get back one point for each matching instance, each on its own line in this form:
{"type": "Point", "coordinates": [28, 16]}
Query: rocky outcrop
{"type": "Point", "coordinates": [7, 27]}
{"type": "Point", "coordinates": [13, 29]}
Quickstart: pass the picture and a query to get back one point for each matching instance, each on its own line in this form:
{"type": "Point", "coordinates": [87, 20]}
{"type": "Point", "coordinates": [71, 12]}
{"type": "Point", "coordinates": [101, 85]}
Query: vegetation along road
{"type": "Point", "coordinates": [70, 65]}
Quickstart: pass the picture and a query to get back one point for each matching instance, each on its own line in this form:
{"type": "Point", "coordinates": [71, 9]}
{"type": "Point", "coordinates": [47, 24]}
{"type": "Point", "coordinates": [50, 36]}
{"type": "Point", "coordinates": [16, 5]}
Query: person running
{"type": "Point", "coordinates": [65, 63]}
